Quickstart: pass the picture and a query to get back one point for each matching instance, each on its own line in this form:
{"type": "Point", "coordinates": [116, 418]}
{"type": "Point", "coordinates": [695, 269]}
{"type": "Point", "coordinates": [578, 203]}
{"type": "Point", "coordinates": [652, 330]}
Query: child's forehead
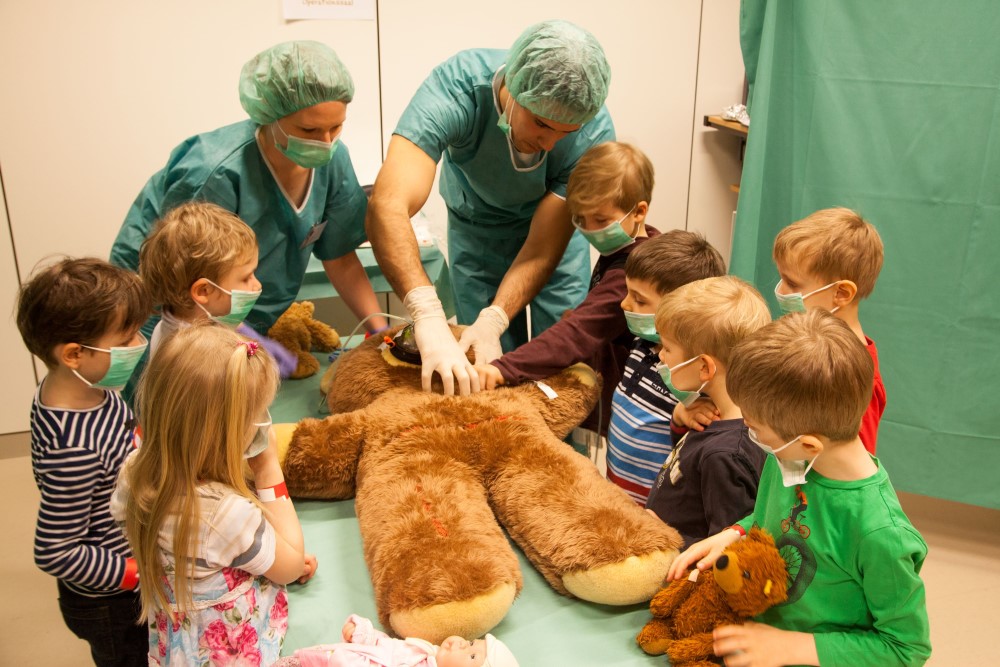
{"type": "Point", "coordinates": [642, 285]}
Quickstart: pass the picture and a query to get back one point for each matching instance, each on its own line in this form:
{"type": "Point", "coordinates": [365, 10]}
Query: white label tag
{"type": "Point", "coordinates": [547, 390]}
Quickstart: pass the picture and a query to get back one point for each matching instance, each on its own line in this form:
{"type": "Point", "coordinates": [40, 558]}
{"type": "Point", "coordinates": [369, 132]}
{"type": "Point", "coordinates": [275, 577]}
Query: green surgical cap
{"type": "Point", "coordinates": [292, 76]}
{"type": "Point", "coordinates": [558, 71]}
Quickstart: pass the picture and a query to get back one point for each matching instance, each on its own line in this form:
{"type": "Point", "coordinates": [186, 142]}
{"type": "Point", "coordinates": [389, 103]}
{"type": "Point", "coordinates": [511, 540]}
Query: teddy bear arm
{"type": "Point", "coordinates": [324, 338]}
{"type": "Point", "coordinates": [322, 458]}
{"type": "Point", "coordinates": [668, 599]}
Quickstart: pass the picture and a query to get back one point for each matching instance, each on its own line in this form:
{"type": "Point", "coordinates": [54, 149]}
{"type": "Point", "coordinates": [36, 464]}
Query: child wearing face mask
{"type": "Point", "coordinates": [645, 415]}
{"type": "Point", "coordinates": [608, 195]}
{"type": "Point", "coordinates": [830, 260]}
{"type": "Point", "coordinates": [198, 264]}
{"type": "Point", "coordinates": [364, 646]}
{"type": "Point", "coordinates": [214, 556]}
{"type": "Point", "coordinates": [803, 383]}
{"type": "Point", "coordinates": [81, 317]}
{"type": "Point", "coordinates": [710, 478]}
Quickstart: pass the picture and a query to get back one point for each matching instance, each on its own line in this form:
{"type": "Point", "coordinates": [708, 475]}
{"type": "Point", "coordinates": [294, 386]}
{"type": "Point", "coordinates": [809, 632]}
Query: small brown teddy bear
{"type": "Point", "coordinates": [747, 579]}
{"type": "Point", "coordinates": [299, 333]}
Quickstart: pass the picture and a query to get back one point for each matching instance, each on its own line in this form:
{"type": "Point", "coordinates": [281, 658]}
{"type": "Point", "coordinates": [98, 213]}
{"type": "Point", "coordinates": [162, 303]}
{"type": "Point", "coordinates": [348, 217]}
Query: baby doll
{"type": "Point", "coordinates": [364, 646]}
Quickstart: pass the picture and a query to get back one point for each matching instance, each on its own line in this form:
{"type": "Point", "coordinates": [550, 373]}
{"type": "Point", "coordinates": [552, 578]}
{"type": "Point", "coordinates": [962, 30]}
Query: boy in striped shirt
{"type": "Point", "coordinates": [81, 317]}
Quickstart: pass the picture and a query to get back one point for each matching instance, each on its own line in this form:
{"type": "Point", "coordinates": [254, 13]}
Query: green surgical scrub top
{"type": "Point", "coordinates": [226, 167]}
{"type": "Point", "coordinates": [454, 114]}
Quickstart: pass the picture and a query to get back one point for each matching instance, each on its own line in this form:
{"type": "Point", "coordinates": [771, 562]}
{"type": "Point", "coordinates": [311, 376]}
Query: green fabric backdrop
{"type": "Point", "coordinates": [892, 108]}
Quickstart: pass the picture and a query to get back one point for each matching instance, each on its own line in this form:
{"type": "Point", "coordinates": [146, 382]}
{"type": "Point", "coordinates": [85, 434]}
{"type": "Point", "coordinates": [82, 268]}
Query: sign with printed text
{"type": "Point", "coordinates": [331, 10]}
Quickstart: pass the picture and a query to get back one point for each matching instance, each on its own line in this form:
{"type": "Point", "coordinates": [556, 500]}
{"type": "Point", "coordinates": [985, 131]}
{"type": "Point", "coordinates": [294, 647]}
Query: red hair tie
{"type": "Point", "coordinates": [252, 347]}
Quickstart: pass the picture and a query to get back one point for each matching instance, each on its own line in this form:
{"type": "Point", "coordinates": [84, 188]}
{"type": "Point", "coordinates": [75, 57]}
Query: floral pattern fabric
{"type": "Point", "coordinates": [243, 631]}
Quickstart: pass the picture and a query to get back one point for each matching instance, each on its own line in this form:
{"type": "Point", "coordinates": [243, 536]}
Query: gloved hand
{"type": "Point", "coordinates": [483, 336]}
{"type": "Point", "coordinates": [439, 351]}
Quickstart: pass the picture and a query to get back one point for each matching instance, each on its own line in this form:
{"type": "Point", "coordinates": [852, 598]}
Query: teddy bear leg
{"type": "Point", "coordinates": [693, 650]}
{"type": "Point", "coordinates": [440, 565]}
{"type": "Point", "coordinates": [655, 636]}
{"type": "Point", "coordinates": [582, 533]}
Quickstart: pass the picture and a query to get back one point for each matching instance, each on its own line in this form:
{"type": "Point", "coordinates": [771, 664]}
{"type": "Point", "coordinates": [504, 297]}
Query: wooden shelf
{"type": "Point", "coordinates": [727, 126]}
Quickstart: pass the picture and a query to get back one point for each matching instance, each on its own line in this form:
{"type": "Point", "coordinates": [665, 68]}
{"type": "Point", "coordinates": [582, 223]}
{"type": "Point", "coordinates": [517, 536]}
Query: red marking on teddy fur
{"type": "Point", "coordinates": [439, 527]}
{"type": "Point", "coordinates": [499, 418]}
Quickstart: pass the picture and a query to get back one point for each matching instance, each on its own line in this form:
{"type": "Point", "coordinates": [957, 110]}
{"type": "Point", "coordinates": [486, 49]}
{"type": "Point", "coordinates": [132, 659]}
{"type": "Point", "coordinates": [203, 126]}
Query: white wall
{"type": "Point", "coordinates": [96, 95]}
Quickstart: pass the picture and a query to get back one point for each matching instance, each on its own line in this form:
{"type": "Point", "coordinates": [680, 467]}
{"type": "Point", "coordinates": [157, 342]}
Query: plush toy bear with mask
{"type": "Point", "coordinates": [437, 479]}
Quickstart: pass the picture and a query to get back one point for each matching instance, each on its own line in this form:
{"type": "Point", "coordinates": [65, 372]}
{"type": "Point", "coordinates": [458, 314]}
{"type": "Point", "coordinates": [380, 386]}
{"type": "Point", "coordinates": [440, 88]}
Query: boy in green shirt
{"type": "Point", "coordinates": [855, 595]}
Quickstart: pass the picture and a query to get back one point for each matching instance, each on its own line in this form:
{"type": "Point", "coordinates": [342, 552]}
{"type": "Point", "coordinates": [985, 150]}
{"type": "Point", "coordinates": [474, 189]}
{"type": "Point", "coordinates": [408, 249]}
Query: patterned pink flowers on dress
{"type": "Point", "coordinates": [231, 647]}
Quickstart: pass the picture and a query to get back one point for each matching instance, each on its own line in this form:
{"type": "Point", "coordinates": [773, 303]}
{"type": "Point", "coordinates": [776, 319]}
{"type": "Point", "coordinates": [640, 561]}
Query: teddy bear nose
{"type": "Point", "coordinates": [722, 563]}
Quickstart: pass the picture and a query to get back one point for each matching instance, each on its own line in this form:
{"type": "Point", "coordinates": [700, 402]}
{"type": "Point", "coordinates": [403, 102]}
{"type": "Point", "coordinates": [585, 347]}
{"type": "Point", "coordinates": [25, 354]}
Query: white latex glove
{"type": "Point", "coordinates": [483, 336]}
{"type": "Point", "coordinates": [439, 351]}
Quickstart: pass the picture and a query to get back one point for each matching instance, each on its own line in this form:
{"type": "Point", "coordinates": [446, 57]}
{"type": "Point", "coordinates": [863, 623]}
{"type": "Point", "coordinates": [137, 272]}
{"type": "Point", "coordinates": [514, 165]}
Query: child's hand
{"type": "Point", "coordinates": [309, 570]}
{"type": "Point", "coordinates": [702, 413]}
{"type": "Point", "coordinates": [759, 645]}
{"type": "Point", "coordinates": [348, 631]}
{"type": "Point", "coordinates": [704, 553]}
{"type": "Point", "coordinates": [490, 376]}
{"type": "Point", "coordinates": [265, 466]}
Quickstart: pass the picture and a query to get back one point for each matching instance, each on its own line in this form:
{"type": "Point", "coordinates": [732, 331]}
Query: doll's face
{"type": "Point", "coordinates": [457, 652]}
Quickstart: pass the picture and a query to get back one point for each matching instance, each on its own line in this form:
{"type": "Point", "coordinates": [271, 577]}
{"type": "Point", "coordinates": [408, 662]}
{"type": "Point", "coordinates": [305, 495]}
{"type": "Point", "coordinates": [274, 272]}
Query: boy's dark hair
{"type": "Point", "coordinates": [674, 258]}
{"type": "Point", "coordinates": [78, 301]}
{"type": "Point", "coordinates": [805, 373]}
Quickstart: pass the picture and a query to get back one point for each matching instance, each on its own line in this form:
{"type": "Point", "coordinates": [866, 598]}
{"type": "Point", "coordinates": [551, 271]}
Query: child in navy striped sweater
{"type": "Point", "coordinates": [81, 317]}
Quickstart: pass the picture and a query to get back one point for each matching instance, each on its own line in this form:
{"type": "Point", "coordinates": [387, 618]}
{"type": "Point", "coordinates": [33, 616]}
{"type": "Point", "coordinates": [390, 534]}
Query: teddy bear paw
{"type": "Point", "coordinates": [635, 579]}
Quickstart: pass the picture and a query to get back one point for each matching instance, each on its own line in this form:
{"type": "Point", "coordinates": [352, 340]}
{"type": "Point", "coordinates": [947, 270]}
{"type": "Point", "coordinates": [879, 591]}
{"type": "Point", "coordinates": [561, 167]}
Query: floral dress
{"type": "Point", "coordinates": [237, 616]}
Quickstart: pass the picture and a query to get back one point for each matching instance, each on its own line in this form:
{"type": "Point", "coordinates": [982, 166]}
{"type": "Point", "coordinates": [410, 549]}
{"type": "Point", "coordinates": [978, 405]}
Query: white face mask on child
{"type": "Point", "coordinates": [792, 472]}
{"type": "Point", "coordinates": [261, 439]}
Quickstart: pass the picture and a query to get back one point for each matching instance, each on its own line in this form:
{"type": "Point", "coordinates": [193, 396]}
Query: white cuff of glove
{"type": "Point", "coordinates": [423, 302]}
{"type": "Point", "coordinates": [494, 319]}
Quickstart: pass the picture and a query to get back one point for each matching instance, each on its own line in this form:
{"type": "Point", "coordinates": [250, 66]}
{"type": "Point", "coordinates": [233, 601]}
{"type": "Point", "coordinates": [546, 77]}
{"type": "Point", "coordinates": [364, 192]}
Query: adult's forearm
{"type": "Point", "coordinates": [395, 246]}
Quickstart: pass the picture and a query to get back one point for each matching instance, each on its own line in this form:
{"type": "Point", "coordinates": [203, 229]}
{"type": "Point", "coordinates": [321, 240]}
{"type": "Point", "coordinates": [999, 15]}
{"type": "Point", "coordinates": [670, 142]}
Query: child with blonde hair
{"type": "Point", "coordinates": [710, 479]}
{"type": "Point", "coordinates": [81, 317]}
{"type": "Point", "coordinates": [213, 556]}
{"type": "Point", "coordinates": [199, 263]}
{"type": "Point", "coordinates": [855, 598]}
{"type": "Point", "coordinates": [831, 260]}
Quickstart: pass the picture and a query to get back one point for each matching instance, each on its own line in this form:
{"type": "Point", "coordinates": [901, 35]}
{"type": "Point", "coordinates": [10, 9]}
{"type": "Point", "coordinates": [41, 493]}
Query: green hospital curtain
{"type": "Point", "coordinates": [892, 108]}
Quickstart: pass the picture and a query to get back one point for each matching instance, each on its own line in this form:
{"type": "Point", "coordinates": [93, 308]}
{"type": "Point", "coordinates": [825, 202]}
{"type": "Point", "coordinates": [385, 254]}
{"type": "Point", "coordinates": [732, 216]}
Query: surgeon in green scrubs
{"type": "Point", "coordinates": [284, 172]}
{"type": "Point", "coordinates": [508, 128]}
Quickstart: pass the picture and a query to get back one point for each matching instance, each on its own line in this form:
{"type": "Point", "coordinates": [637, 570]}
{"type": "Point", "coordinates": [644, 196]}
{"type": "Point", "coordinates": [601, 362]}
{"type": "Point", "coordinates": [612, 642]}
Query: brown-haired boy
{"type": "Point", "coordinates": [81, 317]}
{"type": "Point", "coordinates": [711, 477]}
{"type": "Point", "coordinates": [856, 598]}
{"type": "Point", "coordinates": [831, 260]}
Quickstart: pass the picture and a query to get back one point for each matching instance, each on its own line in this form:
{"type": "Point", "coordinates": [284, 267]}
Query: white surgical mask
{"type": "Point", "coordinates": [261, 438]}
{"type": "Point", "coordinates": [792, 472]}
{"type": "Point", "coordinates": [795, 302]}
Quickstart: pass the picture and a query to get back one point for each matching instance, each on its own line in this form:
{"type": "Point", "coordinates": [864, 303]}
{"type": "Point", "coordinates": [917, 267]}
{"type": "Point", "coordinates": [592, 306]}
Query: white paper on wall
{"type": "Point", "coordinates": [331, 10]}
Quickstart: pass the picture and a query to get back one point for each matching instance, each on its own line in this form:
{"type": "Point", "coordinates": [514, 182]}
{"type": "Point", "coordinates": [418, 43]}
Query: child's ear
{"type": "Point", "coordinates": [68, 354]}
{"type": "Point", "coordinates": [709, 366]}
{"type": "Point", "coordinates": [812, 444]}
{"type": "Point", "coordinates": [641, 209]}
{"type": "Point", "coordinates": [200, 289]}
{"type": "Point", "coordinates": [844, 293]}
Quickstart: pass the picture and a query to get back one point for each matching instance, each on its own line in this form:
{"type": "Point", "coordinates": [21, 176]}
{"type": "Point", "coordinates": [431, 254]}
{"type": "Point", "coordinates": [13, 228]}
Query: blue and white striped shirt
{"type": "Point", "coordinates": [639, 438]}
{"type": "Point", "coordinates": [76, 456]}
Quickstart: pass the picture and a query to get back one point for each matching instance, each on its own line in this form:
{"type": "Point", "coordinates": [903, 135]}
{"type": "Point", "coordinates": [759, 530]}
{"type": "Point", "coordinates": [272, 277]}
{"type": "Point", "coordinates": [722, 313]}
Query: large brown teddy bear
{"type": "Point", "coordinates": [747, 579]}
{"type": "Point", "coordinates": [299, 333]}
{"type": "Point", "coordinates": [435, 477]}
